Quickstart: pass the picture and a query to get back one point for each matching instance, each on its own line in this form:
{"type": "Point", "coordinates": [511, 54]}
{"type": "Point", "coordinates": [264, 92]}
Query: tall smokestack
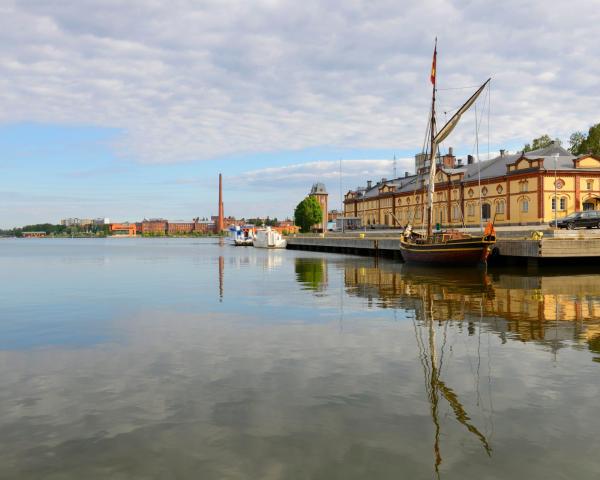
{"type": "Point", "coordinates": [221, 220]}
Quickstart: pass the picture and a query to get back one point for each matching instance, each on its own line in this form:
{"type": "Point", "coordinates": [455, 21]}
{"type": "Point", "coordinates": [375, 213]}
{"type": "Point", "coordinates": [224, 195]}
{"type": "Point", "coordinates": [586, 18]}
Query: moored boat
{"type": "Point", "coordinates": [451, 247]}
{"type": "Point", "coordinates": [242, 236]}
{"type": "Point", "coordinates": [268, 238]}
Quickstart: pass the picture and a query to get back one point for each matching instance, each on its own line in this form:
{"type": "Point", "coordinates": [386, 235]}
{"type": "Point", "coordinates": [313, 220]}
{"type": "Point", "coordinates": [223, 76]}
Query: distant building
{"type": "Point", "coordinates": [320, 193]}
{"type": "Point", "coordinates": [123, 229]}
{"type": "Point", "coordinates": [34, 234]}
{"type": "Point", "coordinates": [154, 226]}
{"type": "Point", "coordinates": [333, 215]}
{"type": "Point", "coordinates": [78, 222]}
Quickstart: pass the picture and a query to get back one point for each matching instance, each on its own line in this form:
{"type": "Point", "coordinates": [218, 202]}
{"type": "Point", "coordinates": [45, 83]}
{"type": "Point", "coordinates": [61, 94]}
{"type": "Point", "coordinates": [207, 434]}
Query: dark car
{"type": "Point", "coordinates": [588, 219]}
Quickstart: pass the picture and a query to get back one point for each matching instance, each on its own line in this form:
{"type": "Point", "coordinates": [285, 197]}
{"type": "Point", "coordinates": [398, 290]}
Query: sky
{"type": "Point", "coordinates": [130, 110]}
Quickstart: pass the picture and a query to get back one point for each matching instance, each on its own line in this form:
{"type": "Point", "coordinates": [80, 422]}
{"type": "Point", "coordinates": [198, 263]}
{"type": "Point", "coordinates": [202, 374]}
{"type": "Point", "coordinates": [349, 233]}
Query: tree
{"type": "Point", "coordinates": [575, 141]}
{"type": "Point", "coordinates": [540, 142]}
{"type": "Point", "coordinates": [589, 143]}
{"type": "Point", "coordinates": [307, 213]}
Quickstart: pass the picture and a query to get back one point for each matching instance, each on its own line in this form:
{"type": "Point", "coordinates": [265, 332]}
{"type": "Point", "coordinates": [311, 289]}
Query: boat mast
{"type": "Point", "coordinates": [433, 147]}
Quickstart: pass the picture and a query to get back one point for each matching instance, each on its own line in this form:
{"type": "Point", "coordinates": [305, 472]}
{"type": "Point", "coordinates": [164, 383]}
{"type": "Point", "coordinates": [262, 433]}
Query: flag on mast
{"type": "Point", "coordinates": [432, 78]}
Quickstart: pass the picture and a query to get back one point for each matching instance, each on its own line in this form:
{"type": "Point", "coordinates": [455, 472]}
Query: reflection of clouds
{"type": "Point", "coordinates": [234, 398]}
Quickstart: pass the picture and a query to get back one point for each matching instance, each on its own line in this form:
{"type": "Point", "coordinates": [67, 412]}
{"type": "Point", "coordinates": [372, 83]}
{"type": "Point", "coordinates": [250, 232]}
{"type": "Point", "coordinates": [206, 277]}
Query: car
{"type": "Point", "coordinates": [588, 219]}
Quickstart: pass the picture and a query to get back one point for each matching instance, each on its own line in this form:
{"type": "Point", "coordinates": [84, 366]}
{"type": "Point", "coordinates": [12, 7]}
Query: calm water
{"type": "Point", "coordinates": [137, 358]}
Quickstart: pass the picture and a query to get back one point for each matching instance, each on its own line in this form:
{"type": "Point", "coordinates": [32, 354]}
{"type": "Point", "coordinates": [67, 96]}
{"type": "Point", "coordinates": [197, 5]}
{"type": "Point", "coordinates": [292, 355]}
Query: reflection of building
{"type": "Point", "coordinates": [320, 193]}
{"type": "Point", "coordinates": [512, 189]}
{"type": "Point", "coordinates": [544, 309]}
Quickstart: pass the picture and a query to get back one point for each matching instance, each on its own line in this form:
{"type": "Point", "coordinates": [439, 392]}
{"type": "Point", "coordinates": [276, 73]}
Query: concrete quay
{"type": "Point", "coordinates": [511, 245]}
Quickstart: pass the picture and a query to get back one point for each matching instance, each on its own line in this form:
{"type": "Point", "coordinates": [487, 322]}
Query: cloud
{"type": "Point", "coordinates": [188, 81]}
{"type": "Point", "coordinates": [303, 175]}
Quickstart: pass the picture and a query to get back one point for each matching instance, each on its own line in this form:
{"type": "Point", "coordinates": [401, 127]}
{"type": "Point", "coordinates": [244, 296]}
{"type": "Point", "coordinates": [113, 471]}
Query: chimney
{"type": "Point", "coordinates": [369, 183]}
{"type": "Point", "coordinates": [502, 152]}
{"type": "Point", "coordinates": [450, 151]}
{"type": "Point", "coordinates": [469, 159]}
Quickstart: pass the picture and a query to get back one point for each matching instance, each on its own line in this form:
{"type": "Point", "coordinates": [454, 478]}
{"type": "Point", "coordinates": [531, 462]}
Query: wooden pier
{"type": "Point", "coordinates": [511, 246]}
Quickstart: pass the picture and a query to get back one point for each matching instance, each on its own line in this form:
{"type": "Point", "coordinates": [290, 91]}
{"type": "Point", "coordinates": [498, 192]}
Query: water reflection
{"type": "Point", "coordinates": [554, 309]}
{"type": "Point", "coordinates": [311, 273]}
{"type": "Point", "coordinates": [307, 366]}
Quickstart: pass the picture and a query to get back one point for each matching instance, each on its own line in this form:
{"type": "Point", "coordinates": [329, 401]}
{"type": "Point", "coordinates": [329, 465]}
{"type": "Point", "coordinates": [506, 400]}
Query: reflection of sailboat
{"type": "Point", "coordinates": [436, 388]}
{"type": "Point", "coordinates": [449, 247]}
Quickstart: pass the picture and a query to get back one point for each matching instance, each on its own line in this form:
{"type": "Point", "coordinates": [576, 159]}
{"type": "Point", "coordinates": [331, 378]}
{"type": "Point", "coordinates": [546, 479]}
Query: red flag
{"type": "Point", "coordinates": [432, 77]}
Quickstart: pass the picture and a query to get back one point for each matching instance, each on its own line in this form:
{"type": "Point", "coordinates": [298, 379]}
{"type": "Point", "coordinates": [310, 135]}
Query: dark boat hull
{"type": "Point", "coordinates": [470, 251]}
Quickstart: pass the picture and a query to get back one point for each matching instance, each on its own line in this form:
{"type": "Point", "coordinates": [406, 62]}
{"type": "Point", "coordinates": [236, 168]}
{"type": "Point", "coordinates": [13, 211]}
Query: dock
{"type": "Point", "coordinates": [511, 246]}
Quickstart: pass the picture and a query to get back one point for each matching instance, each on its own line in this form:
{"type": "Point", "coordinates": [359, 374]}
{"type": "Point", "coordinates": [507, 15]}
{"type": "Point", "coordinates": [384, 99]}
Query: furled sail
{"type": "Point", "coordinates": [447, 129]}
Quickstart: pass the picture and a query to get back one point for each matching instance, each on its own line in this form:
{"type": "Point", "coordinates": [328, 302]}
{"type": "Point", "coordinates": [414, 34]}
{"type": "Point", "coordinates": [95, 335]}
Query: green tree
{"type": "Point", "coordinates": [307, 213]}
{"type": "Point", "coordinates": [540, 142]}
{"type": "Point", "coordinates": [589, 143]}
{"type": "Point", "coordinates": [575, 141]}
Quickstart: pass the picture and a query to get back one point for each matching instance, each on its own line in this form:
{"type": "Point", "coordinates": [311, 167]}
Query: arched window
{"type": "Point", "coordinates": [500, 206]}
{"type": "Point", "coordinates": [525, 206]}
{"type": "Point", "coordinates": [455, 215]}
{"type": "Point", "coordinates": [486, 211]}
{"type": "Point", "coordinates": [471, 210]}
{"type": "Point", "coordinates": [553, 203]}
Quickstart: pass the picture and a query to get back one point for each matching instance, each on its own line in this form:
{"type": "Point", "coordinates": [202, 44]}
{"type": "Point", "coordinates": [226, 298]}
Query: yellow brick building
{"type": "Point", "coordinates": [516, 189]}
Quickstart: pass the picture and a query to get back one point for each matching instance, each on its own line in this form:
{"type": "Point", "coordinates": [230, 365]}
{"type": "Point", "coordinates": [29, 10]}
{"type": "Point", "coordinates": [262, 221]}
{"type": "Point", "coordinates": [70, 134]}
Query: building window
{"type": "Point", "coordinates": [524, 186]}
{"type": "Point", "coordinates": [500, 206]}
{"type": "Point", "coordinates": [553, 203]}
{"type": "Point", "coordinates": [525, 206]}
{"type": "Point", "coordinates": [563, 203]}
{"type": "Point", "coordinates": [455, 212]}
{"type": "Point", "coordinates": [499, 189]}
{"type": "Point", "coordinates": [484, 191]}
{"type": "Point", "coordinates": [471, 210]}
{"type": "Point", "coordinates": [590, 184]}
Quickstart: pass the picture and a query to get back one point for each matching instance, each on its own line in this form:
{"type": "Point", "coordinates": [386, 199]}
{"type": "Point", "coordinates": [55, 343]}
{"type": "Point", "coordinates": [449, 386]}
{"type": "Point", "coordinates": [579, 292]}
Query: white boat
{"type": "Point", "coordinates": [267, 238]}
{"type": "Point", "coordinates": [242, 236]}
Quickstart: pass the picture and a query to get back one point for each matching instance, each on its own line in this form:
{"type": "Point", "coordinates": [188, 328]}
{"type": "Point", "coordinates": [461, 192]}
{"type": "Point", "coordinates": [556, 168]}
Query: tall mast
{"type": "Point", "coordinates": [433, 147]}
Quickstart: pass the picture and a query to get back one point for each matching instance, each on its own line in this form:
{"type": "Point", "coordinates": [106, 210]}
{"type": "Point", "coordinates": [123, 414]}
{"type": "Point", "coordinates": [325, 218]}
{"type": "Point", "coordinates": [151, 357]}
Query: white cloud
{"type": "Point", "coordinates": [188, 80]}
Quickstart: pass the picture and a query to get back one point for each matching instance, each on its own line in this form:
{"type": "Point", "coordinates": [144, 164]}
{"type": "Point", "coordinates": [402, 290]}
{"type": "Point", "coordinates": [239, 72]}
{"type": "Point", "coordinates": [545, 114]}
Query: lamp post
{"type": "Point", "coordinates": [555, 190]}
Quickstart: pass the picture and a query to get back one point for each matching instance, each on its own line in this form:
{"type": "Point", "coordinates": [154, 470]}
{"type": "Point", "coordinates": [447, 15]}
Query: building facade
{"type": "Point", "coordinates": [154, 226]}
{"type": "Point", "coordinates": [518, 189]}
{"type": "Point", "coordinates": [320, 193]}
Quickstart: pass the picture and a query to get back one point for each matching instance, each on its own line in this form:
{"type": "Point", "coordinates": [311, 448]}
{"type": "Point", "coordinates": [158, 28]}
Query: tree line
{"type": "Point", "coordinates": [579, 142]}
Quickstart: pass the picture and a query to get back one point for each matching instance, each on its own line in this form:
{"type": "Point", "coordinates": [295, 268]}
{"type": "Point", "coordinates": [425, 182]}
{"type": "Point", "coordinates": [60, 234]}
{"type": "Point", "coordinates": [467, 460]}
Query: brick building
{"type": "Point", "coordinates": [154, 226]}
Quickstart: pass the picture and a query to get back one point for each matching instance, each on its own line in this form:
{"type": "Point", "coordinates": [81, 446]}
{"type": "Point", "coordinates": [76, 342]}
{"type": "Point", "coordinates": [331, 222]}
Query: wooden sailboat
{"type": "Point", "coordinates": [451, 247]}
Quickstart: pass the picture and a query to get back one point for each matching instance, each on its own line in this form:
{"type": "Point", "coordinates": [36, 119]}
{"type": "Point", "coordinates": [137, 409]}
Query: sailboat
{"type": "Point", "coordinates": [450, 247]}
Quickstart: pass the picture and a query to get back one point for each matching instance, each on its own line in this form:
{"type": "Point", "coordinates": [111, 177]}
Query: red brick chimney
{"type": "Point", "coordinates": [220, 221]}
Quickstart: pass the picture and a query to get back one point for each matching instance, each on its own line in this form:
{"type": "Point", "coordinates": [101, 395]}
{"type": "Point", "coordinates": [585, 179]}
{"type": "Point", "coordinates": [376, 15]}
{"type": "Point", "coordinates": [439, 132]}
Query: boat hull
{"type": "Point", "coordinates": [451, 253]}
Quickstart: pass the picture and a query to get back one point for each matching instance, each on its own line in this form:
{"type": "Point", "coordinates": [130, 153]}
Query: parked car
{"type": "Point", "coordinates": [588, 219]}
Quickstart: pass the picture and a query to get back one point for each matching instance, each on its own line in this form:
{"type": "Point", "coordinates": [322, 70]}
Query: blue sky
{"type": "Point", "coordinates": [131, 109]}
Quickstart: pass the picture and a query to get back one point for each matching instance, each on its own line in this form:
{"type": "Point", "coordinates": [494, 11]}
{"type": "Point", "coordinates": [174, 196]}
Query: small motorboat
{"type": "Point", "coordinates": [242, 236]}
